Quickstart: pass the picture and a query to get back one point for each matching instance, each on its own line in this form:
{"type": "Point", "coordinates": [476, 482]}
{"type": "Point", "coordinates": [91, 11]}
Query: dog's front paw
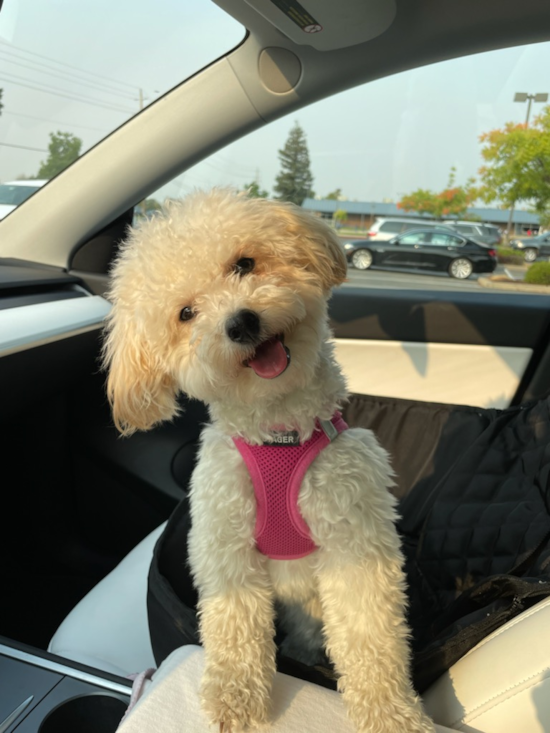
{"type": "Point", "coordinates": [397, 721]}
{"type": "Point", "coordinates": [389, 716]}
{"type": "Point", "coordinates": [235, 700]}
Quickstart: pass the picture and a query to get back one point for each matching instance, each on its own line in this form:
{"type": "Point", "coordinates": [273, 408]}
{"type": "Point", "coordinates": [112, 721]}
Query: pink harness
{"type": "Point", "coordinates": [277, 470]}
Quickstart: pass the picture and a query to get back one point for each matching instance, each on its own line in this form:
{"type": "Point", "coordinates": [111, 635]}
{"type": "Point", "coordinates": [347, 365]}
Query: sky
{"type": "Point", "coordinates": [80, 67]}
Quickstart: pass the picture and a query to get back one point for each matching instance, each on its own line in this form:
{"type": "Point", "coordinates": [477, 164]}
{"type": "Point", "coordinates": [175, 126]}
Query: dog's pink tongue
{"type": "Point", "coordinates": [271, 358]}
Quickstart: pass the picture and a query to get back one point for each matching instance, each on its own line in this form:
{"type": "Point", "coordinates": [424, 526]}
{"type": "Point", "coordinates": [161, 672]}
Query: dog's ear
{"type": "Point", "coordinates": [140, 392]}
{"type": "Point", "coordinates": [320, 249]}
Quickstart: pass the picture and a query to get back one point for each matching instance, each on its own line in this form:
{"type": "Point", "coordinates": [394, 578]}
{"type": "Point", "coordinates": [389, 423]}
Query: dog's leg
{"type": "Point", "coordinates": [367, 639]}
{"type": "Point", "coordinates": [236, 608]}
{"type": "Point", "coordinates": [237, 634]}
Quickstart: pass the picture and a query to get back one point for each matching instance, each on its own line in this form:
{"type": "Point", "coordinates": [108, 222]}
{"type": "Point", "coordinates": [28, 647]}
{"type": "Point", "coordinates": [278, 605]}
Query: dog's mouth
{"type": "Point", "coordinates": [270, 359]}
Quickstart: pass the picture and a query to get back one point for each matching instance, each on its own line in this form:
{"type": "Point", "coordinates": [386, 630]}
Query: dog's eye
{"type": "Point", "coordinates": [244, 266]}
{"type": "Point", "coordinates": [187, 313]}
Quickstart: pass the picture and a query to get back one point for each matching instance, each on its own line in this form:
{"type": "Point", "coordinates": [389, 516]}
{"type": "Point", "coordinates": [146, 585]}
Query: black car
{"type": "Point", "coordinates": [432, 250]}
{"type": "Point", "coordinates": [533, 247]}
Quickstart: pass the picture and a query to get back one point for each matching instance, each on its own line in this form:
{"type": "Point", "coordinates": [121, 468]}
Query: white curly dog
{"type": "Point", "coordinates": [224, 297]}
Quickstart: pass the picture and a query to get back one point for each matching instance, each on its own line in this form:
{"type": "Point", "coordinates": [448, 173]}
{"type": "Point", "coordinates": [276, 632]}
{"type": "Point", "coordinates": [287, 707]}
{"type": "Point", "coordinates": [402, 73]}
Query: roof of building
{"type": "Point", "coordinates": [377, 208]}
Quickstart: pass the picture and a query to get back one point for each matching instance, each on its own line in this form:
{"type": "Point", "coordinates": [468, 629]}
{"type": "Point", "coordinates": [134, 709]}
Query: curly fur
{"type": "Point", "coordinates": [349, 595]}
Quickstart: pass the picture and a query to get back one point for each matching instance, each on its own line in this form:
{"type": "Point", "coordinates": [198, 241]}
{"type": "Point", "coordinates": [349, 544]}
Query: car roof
{"type": "Point", "coordinates": [474, 224]}
{"type": "Point", "coordinates": [432, 230]}
{"type": "Point", "coordinates": [29, 182]}
{"type": "Point", "coordinates": [406, 220]}
{"type": "Point", "coordinates": [184, 126]}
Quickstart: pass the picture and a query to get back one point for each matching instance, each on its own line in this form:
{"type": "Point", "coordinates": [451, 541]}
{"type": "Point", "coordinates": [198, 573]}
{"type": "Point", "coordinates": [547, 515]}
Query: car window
{"type": "Point", "coordinates": [14, 195]}
{"type": "Point", "coordinates": [361, 172]}
{"type": "Point", "coordinates": [414, 238]}
{"type": "Point", "coordinates": [391, 227]}
{"type": "Point", "coordinates": [466, 230]}
{"type": "Point", "coordinates": [414, 225]}
{"type": "Point", "coordinates": [447, 240]}
{"type": "Point", "coordinates": [70, 76]}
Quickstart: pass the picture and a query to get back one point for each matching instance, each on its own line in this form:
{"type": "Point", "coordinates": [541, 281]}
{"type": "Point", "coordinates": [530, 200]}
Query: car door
{"type": "Point", "coordinates": [439, 250]}
{"type": "Point", "coordinates": [405, 251]}
{"type": "Point", "coordinates": [545, 245]}
{"type": "Point", "coordinates": [482, 348]}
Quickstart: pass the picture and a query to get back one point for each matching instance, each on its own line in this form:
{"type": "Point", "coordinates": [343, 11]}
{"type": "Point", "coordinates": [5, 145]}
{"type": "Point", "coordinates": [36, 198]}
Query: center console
{"type": "Point", "coordinates": [43, 693]}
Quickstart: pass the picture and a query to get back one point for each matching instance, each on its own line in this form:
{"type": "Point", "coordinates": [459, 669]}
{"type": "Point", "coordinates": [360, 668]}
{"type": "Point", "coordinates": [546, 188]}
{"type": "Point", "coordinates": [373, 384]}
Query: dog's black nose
{"type": "Point", "coordinates": [243, 327]}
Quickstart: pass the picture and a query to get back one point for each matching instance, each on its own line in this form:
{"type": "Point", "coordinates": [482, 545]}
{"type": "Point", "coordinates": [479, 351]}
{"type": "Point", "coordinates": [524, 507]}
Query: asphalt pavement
{"type": "Point", "coordinates": [421, 280]}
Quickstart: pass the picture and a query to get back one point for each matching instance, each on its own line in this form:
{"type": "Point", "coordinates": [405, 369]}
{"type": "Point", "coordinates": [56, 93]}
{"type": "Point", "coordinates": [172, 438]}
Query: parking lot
{"type": "Point", "coordinates": [421, 281]}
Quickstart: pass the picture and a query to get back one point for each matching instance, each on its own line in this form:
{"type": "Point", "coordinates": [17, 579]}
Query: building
{"type": "Point", "coordinates": [361, 214]}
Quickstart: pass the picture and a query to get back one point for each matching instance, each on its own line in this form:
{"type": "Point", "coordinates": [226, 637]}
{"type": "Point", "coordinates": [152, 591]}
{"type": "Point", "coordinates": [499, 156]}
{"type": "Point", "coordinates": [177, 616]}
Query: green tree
{"type": "Point", "coordinates": [335, 195]}
{"type": "Point", "coordinates": [544, 218]}
{"type": "Point", "coordinates": [64, 148]}
{"type": "Point", "coordinates": [452, 201]}
{"type": "Point", "coordinates": [517, 164]}
{"type": "Point", "coordinates": [254, 191]}
{"type": "Point", "coordinates": [295, 180]}
{"type": "Point", "coordinates": [147, 207]}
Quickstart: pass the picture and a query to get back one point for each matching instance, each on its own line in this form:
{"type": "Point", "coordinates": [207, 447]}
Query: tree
{"type": "Point", "coordinates": [544, 218]}
{"type": "Point", "coordinates": [422, 201]}
{"type": "Point", "coordinates": [335, 195]}
{"type": "Point", "coordinates": [64, 148]}
{"type": "Point", "coordinates": [146, 208]}
{"type": "Point", "coordinates": [254, 191]}
{"type": "Point", "coordinates": [452, 201]}
{"type": "Point", "coordinates": [517, 166]}
{"type": "Point", "coordinates": [295, 180]}
{"type": "Point", "coordinates": [339, 217]}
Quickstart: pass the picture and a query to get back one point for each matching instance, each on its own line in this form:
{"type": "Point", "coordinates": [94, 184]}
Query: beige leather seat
{"type": "Point", "coordinates": [503, 684]}
{"type": "Point", "coordinates": [500, 686]}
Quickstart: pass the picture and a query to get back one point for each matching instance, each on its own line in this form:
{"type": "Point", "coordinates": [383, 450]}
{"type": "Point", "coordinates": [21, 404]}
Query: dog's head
{"type": "Point", "coordinates": [222, 297]}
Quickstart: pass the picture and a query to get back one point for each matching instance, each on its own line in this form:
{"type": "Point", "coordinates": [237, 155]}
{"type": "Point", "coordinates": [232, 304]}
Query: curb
{"type": "Point", "coordinates": [515, 287]}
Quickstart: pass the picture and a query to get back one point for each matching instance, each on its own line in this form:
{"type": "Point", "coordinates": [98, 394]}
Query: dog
{"type": "Point", "coordinates": [224, 297]}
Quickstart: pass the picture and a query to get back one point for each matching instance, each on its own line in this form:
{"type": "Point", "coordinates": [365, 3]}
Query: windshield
{"type": "Point", "coordinates": [70, 73]}
{"type": "Point", "coordinates": [14, 195]}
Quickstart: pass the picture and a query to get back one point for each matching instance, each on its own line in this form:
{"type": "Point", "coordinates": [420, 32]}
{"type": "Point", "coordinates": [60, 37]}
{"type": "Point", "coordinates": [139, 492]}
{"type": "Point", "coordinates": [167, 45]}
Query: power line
{"type": "Point", "coordinates": [227, 161]}
{"type": "Point", "coordinates": [23, 147]}
{"type": "Point", "coordinates": [46, 87]}
{"type": "Point", "coordinates": [65, 76]}
{"type": "Point", "coordinates": [69, 66]}
{"type": "Point", "coordinates": [57, 122]}
{"type": "Point", "coordinates": [60, 93]}
{"type": "Point", "coordinates": [226, 172]}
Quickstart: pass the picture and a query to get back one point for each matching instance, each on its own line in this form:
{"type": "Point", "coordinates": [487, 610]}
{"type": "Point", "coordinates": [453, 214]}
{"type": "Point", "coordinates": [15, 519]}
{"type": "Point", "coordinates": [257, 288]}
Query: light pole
{"type": "Point", "coordinates": [529, 98]}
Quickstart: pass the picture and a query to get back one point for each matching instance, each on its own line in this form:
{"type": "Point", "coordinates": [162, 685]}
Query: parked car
{"type": "Point", "coordinates": [14, 193]}
{"type": "Point", "coordinates": [430, 250]}
{"type": "Point", "coordinates": [486, 233]}
{"type": "Point", "coordinates": [386, 228]}
{"type": "Point", "coordinates": [533, 247]}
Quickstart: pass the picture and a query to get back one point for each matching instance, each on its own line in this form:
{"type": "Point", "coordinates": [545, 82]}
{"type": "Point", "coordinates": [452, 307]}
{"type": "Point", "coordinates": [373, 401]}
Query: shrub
{"type": "Point", "coordinates": [509, 256]}
{"type": "Point", "coordinates": [538, 274]}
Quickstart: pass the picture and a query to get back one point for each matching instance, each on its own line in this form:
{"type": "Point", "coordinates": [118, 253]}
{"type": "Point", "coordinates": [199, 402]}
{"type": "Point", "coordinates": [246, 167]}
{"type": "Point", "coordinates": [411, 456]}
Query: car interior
{"type": "Point", "coordinates": [83, 507]}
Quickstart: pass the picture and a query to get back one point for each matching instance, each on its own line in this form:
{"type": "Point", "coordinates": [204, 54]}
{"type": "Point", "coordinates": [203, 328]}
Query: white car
{"type": "Point", "coordinates": [387, 228]}
{"type": "Point", "coordinates": [14, 193]}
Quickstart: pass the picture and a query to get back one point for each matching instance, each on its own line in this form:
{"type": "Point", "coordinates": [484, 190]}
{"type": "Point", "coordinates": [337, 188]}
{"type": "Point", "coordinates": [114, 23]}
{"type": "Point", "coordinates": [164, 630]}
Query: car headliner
{"type": "Point", "coordinates": [185, 126]}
